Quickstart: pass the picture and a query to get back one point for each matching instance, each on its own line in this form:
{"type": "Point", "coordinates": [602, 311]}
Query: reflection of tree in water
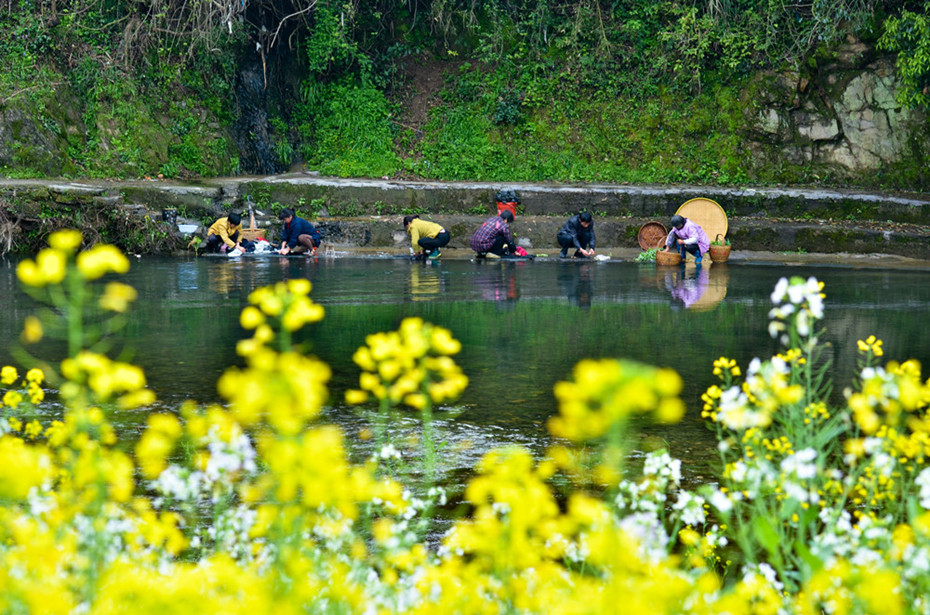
{"type": "Point", "coordinates": [576, 281]}
{"type": "Point", "coordinates": [497, 281]}
{"type": "Point", "coordinates": [424, 282]}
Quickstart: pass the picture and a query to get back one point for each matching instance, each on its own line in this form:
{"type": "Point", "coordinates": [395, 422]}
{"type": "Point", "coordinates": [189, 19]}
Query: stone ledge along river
{"type": "Point", "coordinates": [366, 213]}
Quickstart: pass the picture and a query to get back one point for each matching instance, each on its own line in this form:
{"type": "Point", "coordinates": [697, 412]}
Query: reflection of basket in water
{"type": "Point", "coordinates": [650, 234]}
{"type": "Point", "coordinates": [718, 278]}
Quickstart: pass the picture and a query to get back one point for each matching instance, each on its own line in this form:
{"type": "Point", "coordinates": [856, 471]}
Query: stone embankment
{"type": "Point", "coordinates": [366, 214]}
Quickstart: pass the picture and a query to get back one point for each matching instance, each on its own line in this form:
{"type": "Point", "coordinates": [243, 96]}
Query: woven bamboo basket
{"type": "Point", "coordinates": [666, 258]}
{"type": "Point", "coordinates": [719, 253]}
{"type": "Point", "coordinates": [650, 234]}
{"type": "Point", "coordinates": [707, 214]}
{"type": "Point", "coordinates": [252, 233]}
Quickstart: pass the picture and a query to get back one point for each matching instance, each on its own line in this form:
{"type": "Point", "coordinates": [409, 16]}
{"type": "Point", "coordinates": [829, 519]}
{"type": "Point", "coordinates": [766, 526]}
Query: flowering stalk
{"type": "Point", "coordinates": [61, 277]}
{"type": "Point", "coordinates": [412, 367]}
{"type": "Point", "coordinates": [793, 321]}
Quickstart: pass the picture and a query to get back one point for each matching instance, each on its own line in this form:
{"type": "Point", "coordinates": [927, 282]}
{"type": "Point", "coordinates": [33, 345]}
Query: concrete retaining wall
{"type": "Point", "coordinates": [368, 213]}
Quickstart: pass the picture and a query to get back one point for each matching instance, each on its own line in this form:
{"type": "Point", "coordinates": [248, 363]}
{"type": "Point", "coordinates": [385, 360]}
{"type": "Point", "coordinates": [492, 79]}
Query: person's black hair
{"type": "Point", "coordinates": [234, 219]}
{"type": "Point", "coordinates": [287, 212]}
{"type": "Point", "coordinates": [507, 216]}
{"type": "Point", "coordinates": [585, 216]}
{"type": "Point", "coordinates": [678, 221]}
{"type": "Point", "coordinates": [409, 219]}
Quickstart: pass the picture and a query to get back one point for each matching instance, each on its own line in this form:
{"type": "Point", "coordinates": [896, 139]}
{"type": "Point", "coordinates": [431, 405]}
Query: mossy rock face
{"type": "Point", "coordinates": [36, 138]}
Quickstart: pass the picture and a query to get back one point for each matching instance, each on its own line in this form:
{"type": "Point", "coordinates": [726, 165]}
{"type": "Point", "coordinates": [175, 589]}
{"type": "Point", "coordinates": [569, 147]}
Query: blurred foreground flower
{"type": "Point", "coordinates": [607, 392]}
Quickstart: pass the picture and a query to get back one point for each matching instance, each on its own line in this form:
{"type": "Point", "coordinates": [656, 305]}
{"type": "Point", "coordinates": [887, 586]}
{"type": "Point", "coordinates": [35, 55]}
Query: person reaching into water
{"type": "Point", "coordinates": [227, 232]}
{"type": "Point", "coordinates": [298, 235]}
{"type": "Point", "coordinates": [494, 236]}
{"type": "Point", "coordinates": [426, 237]}
{"type": "Point", "coordinates": [688, 237]}
{"type": "Point", "coordinates": [578, 231]}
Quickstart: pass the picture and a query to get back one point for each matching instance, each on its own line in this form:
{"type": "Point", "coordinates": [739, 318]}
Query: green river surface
{"type": "Point", "coordinates": [523, 326]}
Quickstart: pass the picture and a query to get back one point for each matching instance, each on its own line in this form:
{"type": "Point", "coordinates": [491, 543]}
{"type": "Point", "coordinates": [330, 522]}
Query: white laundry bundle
{"type": "Point", "coordinates": [262, 247]}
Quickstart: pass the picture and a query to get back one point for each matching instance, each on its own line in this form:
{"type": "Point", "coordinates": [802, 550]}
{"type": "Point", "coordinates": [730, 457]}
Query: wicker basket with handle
{"type": "Point", "coordinates": [252, 233]}
{"type": "Point", "coordinates": [719, 253]}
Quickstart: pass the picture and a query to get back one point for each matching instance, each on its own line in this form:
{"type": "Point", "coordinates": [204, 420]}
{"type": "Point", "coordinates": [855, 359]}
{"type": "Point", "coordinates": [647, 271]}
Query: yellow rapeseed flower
{"type": "Point", "coordinates": [251, 317]}
{"type": "Point", "coordinates": [68, 240]}
{"type": "Point", "coordinates": [101, 260]}
{"type": "Point", "coordinates": [607, 392]}
{"type": "Point", "coordinates": [32, 330]}
{"type": "Point", "coordinates": [117, 297]}
{"type": "Point", "coordinates": [12, 399]}
{"type": "Point", "coordinates": [53, 265]}
{"type": "Point", "coordinates": [871, 344]}
{"type": "Point", "coordinates": [23, 467]}
{"type": "Point", "coordinates": [8, 375]}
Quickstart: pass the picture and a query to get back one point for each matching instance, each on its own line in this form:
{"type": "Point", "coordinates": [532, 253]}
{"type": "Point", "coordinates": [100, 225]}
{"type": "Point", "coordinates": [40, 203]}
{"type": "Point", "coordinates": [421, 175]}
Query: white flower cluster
{"type": "Point", "coordinates": [798, 302]}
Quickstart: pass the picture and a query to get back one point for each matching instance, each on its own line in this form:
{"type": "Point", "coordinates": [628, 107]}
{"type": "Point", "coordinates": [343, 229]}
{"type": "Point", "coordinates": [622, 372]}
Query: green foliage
{"type": "Point", "coordinates": [637, 91]}
{"type": "Point", "coordinates": [909, 36]}
{"type": "Point", "coordinates": [347, 129]}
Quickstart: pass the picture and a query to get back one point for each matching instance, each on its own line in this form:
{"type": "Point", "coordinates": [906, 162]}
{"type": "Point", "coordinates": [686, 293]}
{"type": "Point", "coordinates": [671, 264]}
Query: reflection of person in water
{"type": "Point", "coordinates": [577, 283]}
{"type": "Point", "coordinates": [498, 282]}
{"type": "Point", "coordinates": [425, 282]}
{"type": "Point", "coordinates": [687, 286]}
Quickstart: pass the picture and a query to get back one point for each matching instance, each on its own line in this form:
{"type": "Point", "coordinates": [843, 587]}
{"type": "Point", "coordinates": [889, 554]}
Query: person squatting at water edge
{"type": "Point", "coordinates": [494, 236]}
{"type": "Point", "coordinates": [578, 231]}
{"type": "Point", "coordinates": [689, 236]}
{"type": "Point", "coordinates": [426, 236]}
{"type": "Point", "coordinates": [298, 236]}
{"type": "Point", "coordinates": [223, 235]}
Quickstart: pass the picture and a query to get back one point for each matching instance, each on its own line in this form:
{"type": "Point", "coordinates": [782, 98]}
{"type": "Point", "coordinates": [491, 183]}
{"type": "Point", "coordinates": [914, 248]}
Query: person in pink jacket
{"type": "Point", "coordinates": [689, 237]}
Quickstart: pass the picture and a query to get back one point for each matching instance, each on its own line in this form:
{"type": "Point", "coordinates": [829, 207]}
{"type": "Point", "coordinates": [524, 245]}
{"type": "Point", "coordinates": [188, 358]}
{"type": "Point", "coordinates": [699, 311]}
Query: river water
{"type": "Point", "coordinates": [523, 326]}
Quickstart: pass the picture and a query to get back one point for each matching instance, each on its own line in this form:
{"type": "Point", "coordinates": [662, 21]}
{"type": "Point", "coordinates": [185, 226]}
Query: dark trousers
{"type": "Point", "coordinates": [685, 249]}
{"type": "Point", "coordinates": [565, 240]}
{"type": "Point", "coordinates": [215, 242]}
{"type": "Point", "coordinates": [498, 246]}
{"type": "Point", "coordinates": [431, 243]}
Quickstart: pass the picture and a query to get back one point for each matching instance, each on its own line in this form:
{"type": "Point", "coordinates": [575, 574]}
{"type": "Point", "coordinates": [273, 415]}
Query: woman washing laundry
{"type": "Point", "coordinates": [426, 237]}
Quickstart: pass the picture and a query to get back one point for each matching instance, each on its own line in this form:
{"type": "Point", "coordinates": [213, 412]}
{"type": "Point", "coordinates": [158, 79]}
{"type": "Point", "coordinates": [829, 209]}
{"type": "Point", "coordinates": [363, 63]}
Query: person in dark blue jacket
{"type": "Point", "coordinates": [578, 231]}
{"type": "Point", "coordinates": [298, 236]}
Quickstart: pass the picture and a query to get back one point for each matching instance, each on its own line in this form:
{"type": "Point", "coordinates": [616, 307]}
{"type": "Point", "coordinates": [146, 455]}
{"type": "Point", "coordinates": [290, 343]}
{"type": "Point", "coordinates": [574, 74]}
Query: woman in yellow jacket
{"type": "Point", "coordinates": [225, 231]}
{"type": "Point", "coordinates": [425, 236]}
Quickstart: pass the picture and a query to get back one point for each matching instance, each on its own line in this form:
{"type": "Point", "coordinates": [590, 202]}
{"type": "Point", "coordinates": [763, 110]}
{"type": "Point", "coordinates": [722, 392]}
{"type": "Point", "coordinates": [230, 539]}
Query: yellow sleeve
{"type": "Point", "coordinates": [414, 235]}
{"type": "Point", "coordinates": [225, 232]}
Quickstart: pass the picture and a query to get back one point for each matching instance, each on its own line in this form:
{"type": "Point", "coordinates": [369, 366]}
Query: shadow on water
{"type": "Point", "coordinates": [523, 326]}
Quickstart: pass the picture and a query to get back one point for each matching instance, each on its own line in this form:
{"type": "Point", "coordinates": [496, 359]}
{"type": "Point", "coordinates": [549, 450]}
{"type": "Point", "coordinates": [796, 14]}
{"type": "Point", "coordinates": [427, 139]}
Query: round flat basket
{"type": "Point", "coordinates": [707, 214]}
{"type": "Point", "coordinates": [650, 234]}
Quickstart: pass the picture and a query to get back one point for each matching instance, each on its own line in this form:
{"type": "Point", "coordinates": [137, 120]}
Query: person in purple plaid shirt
{"type": "Point", "coordinates": [493, 235]}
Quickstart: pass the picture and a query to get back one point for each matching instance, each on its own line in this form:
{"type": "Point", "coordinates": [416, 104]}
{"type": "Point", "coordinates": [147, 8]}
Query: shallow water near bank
{"type": "Point", "coordinates": [523, 326]}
